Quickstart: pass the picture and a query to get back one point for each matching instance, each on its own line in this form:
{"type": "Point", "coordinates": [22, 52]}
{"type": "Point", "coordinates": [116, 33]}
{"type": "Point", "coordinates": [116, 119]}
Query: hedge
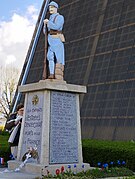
{"type": "Point", "coordinates": [94, 152]}
{"type": "Point", "coordinates": [4, 147]}
{"type": "Point", "coordinates": [110, 152]}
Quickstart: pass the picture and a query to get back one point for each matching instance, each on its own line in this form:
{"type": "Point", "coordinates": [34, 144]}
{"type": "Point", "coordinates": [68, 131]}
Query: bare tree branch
{"type": "Point", "coordinates": [9, 84]}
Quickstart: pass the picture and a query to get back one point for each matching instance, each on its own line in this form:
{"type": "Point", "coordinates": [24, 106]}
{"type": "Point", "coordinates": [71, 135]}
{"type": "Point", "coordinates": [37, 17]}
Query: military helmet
{"type": "Point", "coordinates": [52, 3]}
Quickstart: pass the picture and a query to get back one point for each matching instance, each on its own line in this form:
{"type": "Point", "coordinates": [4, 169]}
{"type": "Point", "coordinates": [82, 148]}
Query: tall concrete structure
{"type": "Point", "coordinates": [100, 51]}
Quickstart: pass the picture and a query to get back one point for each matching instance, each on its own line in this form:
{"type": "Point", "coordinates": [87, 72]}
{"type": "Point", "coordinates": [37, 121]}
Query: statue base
{"type": "Point", "coordinates": [51, 123]}
{"type": "Point", "coordinates": [42, 170]}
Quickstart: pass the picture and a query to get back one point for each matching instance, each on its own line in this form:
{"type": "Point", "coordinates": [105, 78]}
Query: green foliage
{"type": "Point", "coordinates": [95, 151]}
{"type": "Point", "coordinates": [4, 133]}
{"type": "Point", "coordinates": [112, 172]}
{"type": "Point", "coordinates": [95, 173]}
{"type": "Point", "coordinates": [4, 147]}
{"type": "Point", "coordinates": [4, 139]}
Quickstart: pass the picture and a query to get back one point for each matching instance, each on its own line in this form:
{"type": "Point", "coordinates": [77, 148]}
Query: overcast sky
{"type": "Point", "coordinates": [17, 23]}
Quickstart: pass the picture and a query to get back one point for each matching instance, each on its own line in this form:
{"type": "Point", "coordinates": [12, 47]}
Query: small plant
{"type": "Point", "coordinates": [117, 163]}
{"type": "Point", "coordinates": [93, 174]}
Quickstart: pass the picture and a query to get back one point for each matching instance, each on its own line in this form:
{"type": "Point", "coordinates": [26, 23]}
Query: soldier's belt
{"type": "Point", "coordinates": [54, 32]}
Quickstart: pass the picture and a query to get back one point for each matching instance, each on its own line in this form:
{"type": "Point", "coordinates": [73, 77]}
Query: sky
{"type": "Point", "coordinates": [17, 24]}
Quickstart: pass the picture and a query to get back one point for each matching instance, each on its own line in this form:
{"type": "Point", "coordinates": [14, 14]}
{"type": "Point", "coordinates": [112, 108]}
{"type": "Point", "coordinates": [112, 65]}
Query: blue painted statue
{"type": "Point", "coordinates": [55, 41]}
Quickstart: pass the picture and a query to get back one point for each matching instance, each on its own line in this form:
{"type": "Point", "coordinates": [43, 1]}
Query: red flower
{"type": "Point", "coordinates": [57, 171]}
{"type": "Point", "coordinates": [62, 169]}
{"type": "Point", "coordinates": [102, 167]}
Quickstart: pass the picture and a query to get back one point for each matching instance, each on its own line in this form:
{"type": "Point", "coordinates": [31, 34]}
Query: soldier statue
{"type": "Point", "coordinates": [55, 53]}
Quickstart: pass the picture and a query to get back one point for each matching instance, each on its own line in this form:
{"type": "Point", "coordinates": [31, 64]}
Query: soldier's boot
{"type": "Point", "coordinates": [59, 69]}
{"type": "Point", "coordinates": [51, 76]}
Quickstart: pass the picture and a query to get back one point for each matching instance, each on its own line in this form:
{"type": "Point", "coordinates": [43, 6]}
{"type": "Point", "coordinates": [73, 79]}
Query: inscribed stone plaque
{"type": "Point", "coordinates": [63, 128]}
{"type": "Point", "coordinates": [33, 122]}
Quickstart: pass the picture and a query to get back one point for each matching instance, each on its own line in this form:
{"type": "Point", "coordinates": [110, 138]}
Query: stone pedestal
{"type": "Point", "coordinates": [51, 123]}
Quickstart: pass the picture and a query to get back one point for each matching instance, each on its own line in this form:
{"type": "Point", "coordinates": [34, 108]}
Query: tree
{"type": "Point", "coordinates": [9, 80]}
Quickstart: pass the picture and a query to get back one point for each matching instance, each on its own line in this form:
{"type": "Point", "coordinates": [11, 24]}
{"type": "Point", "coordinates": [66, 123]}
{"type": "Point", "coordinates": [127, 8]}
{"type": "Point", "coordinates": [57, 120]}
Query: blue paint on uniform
{"type": "Point", "coordinates": [56, 46]}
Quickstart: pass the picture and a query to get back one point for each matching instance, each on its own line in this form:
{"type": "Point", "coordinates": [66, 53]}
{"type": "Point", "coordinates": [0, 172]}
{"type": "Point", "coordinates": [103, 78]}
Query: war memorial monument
{"type": "Point", "coordinates": [51, 133]}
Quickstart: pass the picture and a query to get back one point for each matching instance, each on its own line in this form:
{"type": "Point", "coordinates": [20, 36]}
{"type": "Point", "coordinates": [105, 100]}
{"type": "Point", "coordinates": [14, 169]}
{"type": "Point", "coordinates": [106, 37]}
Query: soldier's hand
{"type": "Point", "coordinates": [46, 21]}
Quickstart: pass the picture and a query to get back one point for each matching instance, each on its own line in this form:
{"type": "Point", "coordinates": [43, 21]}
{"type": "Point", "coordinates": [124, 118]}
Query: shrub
{"type": "Point", "coordinates": [4, 147]}
{"type": "Point", "coordinates": [4, 133]}
{"type": "Point", "coordinates": [95, 151]}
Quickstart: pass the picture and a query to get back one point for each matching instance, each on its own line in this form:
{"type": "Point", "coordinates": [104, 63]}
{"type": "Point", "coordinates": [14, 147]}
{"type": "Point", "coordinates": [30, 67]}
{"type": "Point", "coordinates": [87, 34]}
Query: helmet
{"type": "Point", "coordinates": [53, 4]}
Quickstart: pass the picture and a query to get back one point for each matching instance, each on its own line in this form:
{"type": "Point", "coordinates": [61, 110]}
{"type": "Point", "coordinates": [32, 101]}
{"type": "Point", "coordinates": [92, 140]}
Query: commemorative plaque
{"type": "Point", "coordinates": [63, 128]}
